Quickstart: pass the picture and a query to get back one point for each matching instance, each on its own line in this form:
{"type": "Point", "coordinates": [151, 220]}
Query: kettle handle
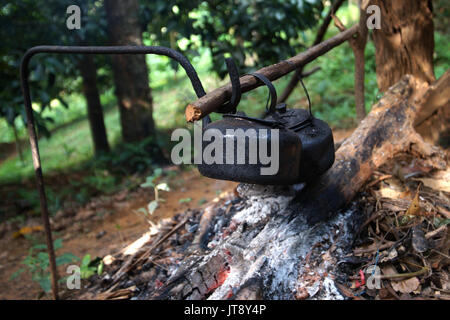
{"type": "Point", "coordinates": [272, 92]}
{"type": "Point", "coordinates": [307, 96]}
{"type": "Point", "coordinates": [299, 77]}
{"type": "Point", "coordinates": [236, 93]}
{"type": "Point", "coordinates": [229, 107]}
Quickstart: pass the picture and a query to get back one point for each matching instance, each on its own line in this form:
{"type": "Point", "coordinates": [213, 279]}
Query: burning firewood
{"type": "Point", "coordinates": [265, 246]}
{"type": "Point", "coordinates": [276, 242]}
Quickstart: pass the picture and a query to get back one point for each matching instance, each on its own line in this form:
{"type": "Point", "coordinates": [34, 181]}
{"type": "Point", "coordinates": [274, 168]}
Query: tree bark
{"type": "Point", "coordinates": [405, 42]}
{"type": "Point", "coordinates": [88, 72]}
{"type": "Point", "coordinates": [359, 46]}
{"type": "Point", "coordinates": [435, 98]}
{"type": "Point", "coordinates": [432, 122]}
{"type": "Point", "coordinates": [130, 71]}
{"type": "Point", "coordinates": [17, 140]}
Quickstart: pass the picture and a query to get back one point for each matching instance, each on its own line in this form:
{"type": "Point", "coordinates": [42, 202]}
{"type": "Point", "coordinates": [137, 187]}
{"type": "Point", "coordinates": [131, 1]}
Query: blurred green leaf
{"type": "Point", "coordinates": [152, 206]}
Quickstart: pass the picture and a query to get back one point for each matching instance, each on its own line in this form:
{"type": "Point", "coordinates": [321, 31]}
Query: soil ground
{"type": "Point", "coordinates": [100, 235]}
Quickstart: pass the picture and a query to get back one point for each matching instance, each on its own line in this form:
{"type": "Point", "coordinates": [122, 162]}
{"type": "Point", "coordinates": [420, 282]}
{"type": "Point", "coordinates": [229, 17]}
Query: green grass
{"type": "Point", "coordinates": [66, 148]}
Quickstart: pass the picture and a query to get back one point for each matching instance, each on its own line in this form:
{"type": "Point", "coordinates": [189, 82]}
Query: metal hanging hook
{"type": "Point", "coordinates": [24, 72]}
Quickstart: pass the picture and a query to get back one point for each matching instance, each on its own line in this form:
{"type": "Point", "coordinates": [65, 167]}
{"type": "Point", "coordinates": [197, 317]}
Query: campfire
{"type": "Point", "coordinates": [281, 242]}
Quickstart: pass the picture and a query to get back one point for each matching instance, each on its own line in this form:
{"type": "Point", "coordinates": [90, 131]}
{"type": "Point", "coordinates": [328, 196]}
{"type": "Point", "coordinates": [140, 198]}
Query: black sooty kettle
{"type": "Point", "coordinates": [285, 146]}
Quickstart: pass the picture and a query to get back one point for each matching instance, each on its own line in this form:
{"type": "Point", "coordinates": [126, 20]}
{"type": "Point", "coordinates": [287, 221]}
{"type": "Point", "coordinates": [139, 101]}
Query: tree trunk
{"type": "Point", "coordinates": [358, 45]}
{"type": "Point", "coordinates": [130, 71]}
{"type": "Point", "coordinates": [405, 42]}
{"type": "Point", "coordinates": [94, 108]}
{"type": "Point", "coordinates": [17, 140]}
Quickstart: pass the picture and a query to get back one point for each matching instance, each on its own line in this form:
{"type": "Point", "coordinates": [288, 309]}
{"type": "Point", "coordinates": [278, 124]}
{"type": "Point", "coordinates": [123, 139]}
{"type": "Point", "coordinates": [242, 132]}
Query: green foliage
{"type": "Point", "coordinates": [185, 200]}
{"type": "Point", "coordinates": [168, 21]}
{"type": "Point", "coordinates": [54, 157]}
{"type": "Point", "coordinates": [37, 263]}
{"type": "Point", "coordinates": [31, 198]}
{"type": "Point", "coordinates": [90, 267]}
{"type": "Point", "coordinates": [129, 157]}
{"type": "Point", "coordinates": [27, 23]}
{"type": "Point", "coordinates": [442, 53]}
{"type": "Point", "coordinates": [68, 150]}
{"type": "Point", "coordinates": [151, 182]}
{"type": "Point", "coordinates": [100, 180]}
{"type": "Point", "coordinates": [441, 16]}
{"type": "Point", "coordinates": [55, 199]}
{"type": "Point", "coordinates": [254, 32]}
{"type": "Point", "coordinates": [18, 34]}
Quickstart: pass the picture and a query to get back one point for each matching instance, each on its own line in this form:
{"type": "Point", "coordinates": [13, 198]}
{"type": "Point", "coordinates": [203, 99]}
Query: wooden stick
{"type": "Point", "coordinates": [399, 276]}
{"type": "Point", "coordinates": [310, 72]}
{"type": "Point", "coordinates": [216, 98]}
{"type": "Point", "coordinates": [436, 97]}
{"type": "Point", "coordinates": [147, 254]}
{"type": "Point", "coordinates": [358, 46]}
{"type": "Point", "coordinates": [383, 177]}
{"type": "Point", "coordinates": [431, 234]}
{"type": "Point", "coordinates": [128, 265]}
{"type": "Point", "coordinates": [374, 248]}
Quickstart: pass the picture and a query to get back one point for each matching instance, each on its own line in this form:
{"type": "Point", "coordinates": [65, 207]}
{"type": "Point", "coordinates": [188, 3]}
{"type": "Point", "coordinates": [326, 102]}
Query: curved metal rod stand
{"type": "Point", "coordinates": [173, 54]}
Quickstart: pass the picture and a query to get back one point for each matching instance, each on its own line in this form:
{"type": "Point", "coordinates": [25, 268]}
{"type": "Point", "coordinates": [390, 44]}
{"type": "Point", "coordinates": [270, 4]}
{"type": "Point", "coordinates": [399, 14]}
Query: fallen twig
{"type": "Point", "coordinates": [347, 292]}
{"type": "Point", "coordinates": [129, 265]}
{"type": "Point", "coordinates": [374, 248]}
{"type": "Point", "coordinates": [117, 295]}
{"type": "Point", "coordinates": [147, 254]}
{"type": "Point", "coordinates": [378, 180]}
{"type": "Point", "coordinates": [403, 275]}
{"type": "Point", "coordinates": [433, 233]}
